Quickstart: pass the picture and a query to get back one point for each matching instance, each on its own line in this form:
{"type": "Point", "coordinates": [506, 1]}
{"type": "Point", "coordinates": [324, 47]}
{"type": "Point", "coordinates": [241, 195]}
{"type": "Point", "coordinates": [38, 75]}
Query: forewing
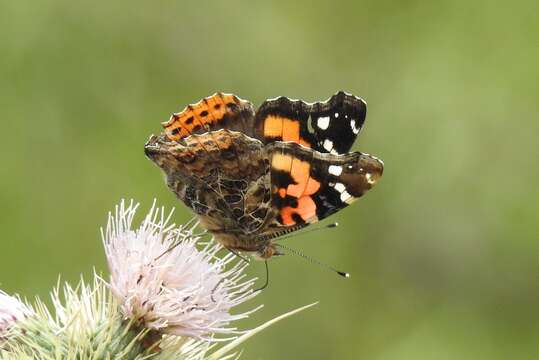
{"type": "Point", "coordinates": [308, 186]}
{"type": "Point", "coordinates": [328, 127]}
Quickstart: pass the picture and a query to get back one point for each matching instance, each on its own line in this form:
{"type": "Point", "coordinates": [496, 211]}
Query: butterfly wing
{"type": "Point", "coordinates": [219, 111]}
{"type": "Point", "coordinates": [328, 127]}
{"type": "Point", "coordinates": [308, 186]}
{"type": "Point", "coordinates": [309, 174]}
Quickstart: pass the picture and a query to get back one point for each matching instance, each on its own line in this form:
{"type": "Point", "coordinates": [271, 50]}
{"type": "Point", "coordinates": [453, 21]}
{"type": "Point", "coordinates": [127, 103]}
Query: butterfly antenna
{"type": "Point", "coordinates": [309, 230]}
{"type": "Point", "coordinates": [314, 261]}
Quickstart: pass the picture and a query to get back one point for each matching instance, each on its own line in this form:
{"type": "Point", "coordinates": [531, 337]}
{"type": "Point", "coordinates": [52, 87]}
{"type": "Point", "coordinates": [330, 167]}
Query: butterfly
{"type": "Point", "coordinates": [254, 176]}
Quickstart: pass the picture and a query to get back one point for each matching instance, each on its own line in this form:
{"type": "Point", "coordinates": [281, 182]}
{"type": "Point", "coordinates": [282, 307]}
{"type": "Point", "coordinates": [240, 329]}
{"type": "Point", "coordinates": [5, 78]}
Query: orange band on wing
{"type": "Point", "coordinates": [217, 105]}
{"type": "Point", "coordinates": [281, 162]}
{"type": "Point", "coordinates": [300, 172]}
{"type": "Point", "coordinates": [312, 186]}
{"type": "Point", "coordinates": [284, 129]}
{"type": "Point", "coordinates": [291, 130]}
{"type": "Point", "coordinates": [208, 111]}
{"type": "Point", "coordinates": [273, 126]}
{"type": "Point", "coordinates": [306, 209]}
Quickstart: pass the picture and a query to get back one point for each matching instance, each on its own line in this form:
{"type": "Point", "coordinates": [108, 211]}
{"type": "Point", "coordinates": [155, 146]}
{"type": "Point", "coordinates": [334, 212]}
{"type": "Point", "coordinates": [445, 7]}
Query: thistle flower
{"type": "Point", "coordinates": [162, 285]}
{"type": "Point", "coordinates": [87, 324]}
{"type": "Point", "coordinates": [12, 309]}
{"type": "Point", "coordinates": [165, 283]}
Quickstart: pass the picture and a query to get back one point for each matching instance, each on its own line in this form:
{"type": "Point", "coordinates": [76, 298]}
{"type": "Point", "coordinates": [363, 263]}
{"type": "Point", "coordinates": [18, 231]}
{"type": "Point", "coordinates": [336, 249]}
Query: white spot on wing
{"type": "Point", "coordinates": [340, 187]}
{"type": "Point", "coordinates": [323, 122]}
{"type": "Point", "coordinates": [335, 170]}
{"type": "Point", "coordinates": [336, 115]}
{"type": "Point", "coordinates": [369, 178]}
{"type": "Point", "coordinates": [353, 126]}
{"type": "Point", "coordinates": [346, 197]}
{"type": "Point", "coordinates": [328, 145]}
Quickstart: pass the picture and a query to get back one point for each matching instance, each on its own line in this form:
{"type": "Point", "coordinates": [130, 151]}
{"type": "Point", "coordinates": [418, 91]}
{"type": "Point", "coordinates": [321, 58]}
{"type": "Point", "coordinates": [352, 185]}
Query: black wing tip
{"type": "Point", "coordinates": [343, 95]}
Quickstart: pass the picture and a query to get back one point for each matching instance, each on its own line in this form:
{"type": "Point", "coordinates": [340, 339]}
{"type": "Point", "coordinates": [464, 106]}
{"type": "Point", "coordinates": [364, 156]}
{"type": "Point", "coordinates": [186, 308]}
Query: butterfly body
{"type": "Point", "coordinates": [254, 177]}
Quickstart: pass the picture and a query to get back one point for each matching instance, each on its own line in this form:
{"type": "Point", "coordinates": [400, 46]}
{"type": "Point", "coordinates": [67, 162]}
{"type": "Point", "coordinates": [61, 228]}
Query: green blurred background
{"type": "Point", "coordinates": [443, 252]}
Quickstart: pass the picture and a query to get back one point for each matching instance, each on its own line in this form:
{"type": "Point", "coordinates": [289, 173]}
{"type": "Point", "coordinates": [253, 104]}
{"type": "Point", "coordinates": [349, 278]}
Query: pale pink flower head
{"type": "Point", "coordinates": [165, 282]}
{"type": "Point", "coordinates": [12, 309]}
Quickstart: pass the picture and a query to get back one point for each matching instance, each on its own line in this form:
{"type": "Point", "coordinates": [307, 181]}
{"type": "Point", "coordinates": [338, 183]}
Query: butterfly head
{"type": "Point", "coordinates": [267, 251]}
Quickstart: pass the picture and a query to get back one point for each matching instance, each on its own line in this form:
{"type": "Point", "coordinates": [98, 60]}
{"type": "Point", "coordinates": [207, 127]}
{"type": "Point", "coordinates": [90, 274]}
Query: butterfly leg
{"type": "Point", "coordinates": [238, 255]}
{"type": "Point", "coordinates": [267, 278]}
